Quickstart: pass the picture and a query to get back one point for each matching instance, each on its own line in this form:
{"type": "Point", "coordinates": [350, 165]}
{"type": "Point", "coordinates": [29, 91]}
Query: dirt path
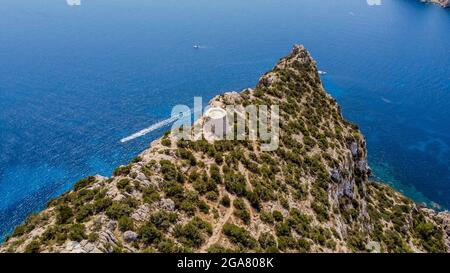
{"type": "Point", "coordinates": [217, 231]}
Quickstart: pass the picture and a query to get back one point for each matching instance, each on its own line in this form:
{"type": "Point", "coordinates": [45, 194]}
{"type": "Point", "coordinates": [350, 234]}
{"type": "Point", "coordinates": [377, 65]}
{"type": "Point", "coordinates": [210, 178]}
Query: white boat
{"type": "Point", "coordinates": [196, 46]}
{"type": "Point", "coordinates": [322, 72]}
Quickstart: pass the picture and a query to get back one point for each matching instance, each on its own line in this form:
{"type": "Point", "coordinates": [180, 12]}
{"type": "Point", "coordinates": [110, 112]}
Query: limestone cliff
{"type": "Point", "coordinates": [312, 194]}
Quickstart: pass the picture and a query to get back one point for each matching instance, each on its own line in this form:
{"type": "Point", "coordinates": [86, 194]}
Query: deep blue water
{"type": "Point", "coordinates": [75, 80]}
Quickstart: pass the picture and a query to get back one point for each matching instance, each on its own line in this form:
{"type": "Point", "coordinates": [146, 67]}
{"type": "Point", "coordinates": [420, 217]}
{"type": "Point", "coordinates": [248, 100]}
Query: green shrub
{"type": "Point", "coordinates": [282, 229]}
{"type": "Point", "coordinates": [102, 204]}
{"type": "Point", "coordinates": [117, 210]}
{"type": "Point", "coordinates": [193, 233]}
{"type": "Point", "coordinates": [130, 201]}
{"type": "Point", "coordinates": [124, 184]}
{"type": "Point", "coordinates": [84, 212]}
{"type": "Point", "coordinates": [254, 199]}
{"type": "Point", "coordinates": [214, 172]}
{"type": "Point", "coordinates": [64, 214]}
{"type": "Point", "coordinates": [218, 158]}
{"type": "Point", "coordinates": [49, 235]}
{"type": "Point", "coordinates": [430, 236]}
{"type": "Point", "coordinates": [93, 237]}
{"type": "Point", "coordinates": [149, 234]}
{"type": "Point", "coordinates": [166, 142]}
{"type": "Point", "coordinates": [287, 242]}
{"type": "Point", "coordinates": [235, 183]}
{"type": "Point", "coordinates": [321, 211]}
{"type": "Point", "coordinates": [303, 245]}
{"type": "Point", "coordinates": [150, 194]}
{"type": "Point", "coordinates": [83, 196]}
{"type": "Point", "coordinates": [284, 202]}
{"type": "Point", "coordinates": [219, 249]}
{"type": "Point", "coordinates": [137, 159]}
{"type": "Point", "coordinates": [84, 183]}
{"type": "Point", "coordinates": [267, 240]}
{"type": "Point", "coordinates": [122, 171]}
{"type": "Point", "coordinates": [189, 202]}
{"type": "Point", "coordinates": [189, 207]}
{"type": "Point", "coordinates": [239, 236]}
{"type": "Point", "coordinates": [299, 222]}
{"type": "Point", "coordinates": [204, 184]}
{"type": "Point", "coordinates": [241, 211]}
{"type": "Point", "coordinates": [187, 155]}
{"type": "Point", "coordinates": [77, 233]}
{"type": "Point", "coordinates": [203, 207]}
{"type": "Point", "coordinates": [225, 201]}
{"type": "Point", "coordinates": [356, 241]}
{"type": "Point", "coordinates": [163, 220]}
{"type": "Point", "coordinates": [277, 216]}
{"type": "Point", "coordinates": [173, 189]}
{"type": "Point", "coordinates": [33, 247]}
{"type": "Point", "coordinates": [169, 246]}
{"type": "Point", "coordinates": [212, 196]}
{"type": "Point", "coordinates": [169, 171]}
{"type": "Point", "coordinates": [125, 223]}
{"type": "Point", "coordinates": [19, 230]}
{"type": "Point", "coordinates": [266, 217]}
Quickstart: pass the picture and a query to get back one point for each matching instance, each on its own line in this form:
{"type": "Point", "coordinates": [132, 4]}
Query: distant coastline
{"type": "Point", "coordinates": [442, 3]}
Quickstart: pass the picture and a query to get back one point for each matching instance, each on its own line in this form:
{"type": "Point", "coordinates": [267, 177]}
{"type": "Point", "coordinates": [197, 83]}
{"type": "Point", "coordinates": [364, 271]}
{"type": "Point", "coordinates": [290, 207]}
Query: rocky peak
{"type": "Point", "coordinates": [312, 194]}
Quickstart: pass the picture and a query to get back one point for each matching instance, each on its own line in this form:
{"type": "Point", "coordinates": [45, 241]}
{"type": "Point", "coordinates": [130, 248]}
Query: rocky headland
{"type": "Point", "coordinates": [312, 194]}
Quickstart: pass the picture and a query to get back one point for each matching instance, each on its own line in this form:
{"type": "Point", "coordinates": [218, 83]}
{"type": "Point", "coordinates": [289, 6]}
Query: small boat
{"type": "Point", "coordinates": [322, 72]}
{"type": "Point", "coordinates": [196, 46]}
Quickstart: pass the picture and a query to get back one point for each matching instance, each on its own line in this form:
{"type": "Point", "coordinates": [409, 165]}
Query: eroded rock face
{"type": "Point", "coordinates": [166, 204]}
{"type": "Point", "coordinates": [111, 225]}
{"type": "Point", "coordinates": [354, 149]}
{"type": "Point", "coordinates": [268, 79]}
{"type": "Point", "coordinates": [355, 167]}
{"type": "Point", "coordinates": [445, 217]}
{"type": "Point", "coordinates": [336, 175]}
{"type": "Point", "coordinates": [130, 236]}
{"type": "Point", "coordinates": [81, 247]}
{"type": "Point", "coordinates": [142, 178]}
{"type": "Point", "coordinates": [141, 214]}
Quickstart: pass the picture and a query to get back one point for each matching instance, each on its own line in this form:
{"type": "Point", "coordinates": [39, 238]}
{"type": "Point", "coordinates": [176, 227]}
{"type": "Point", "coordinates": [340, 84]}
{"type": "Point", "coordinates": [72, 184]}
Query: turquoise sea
{"type": "Point", "coordinates": [74, 80]}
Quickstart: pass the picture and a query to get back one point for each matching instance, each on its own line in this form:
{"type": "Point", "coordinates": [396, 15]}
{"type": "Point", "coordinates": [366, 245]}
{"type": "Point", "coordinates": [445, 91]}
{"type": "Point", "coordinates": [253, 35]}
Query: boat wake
{"type": "Point", "coordinates": [199, 46]}
{"type": "Point", "coordinates": [156, 126]}
{"type": "Point", "coordinates": [151, 128]}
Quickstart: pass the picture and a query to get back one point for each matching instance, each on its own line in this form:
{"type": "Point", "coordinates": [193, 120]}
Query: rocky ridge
{"type": "Point", "coordinates": [312, 194]}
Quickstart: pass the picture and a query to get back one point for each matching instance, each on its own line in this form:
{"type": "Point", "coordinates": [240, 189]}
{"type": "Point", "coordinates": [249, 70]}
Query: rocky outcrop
{"type": "Point", "coordinates": [130, 236]}
{"type": "Point", "coordinates": [311, 194]}
{"type": "Point", "coordinates": [445, 218]}
{"type": "Point", "coordinates": [442, 3]}
{"type": "Point", "coordinates": [80, 247]}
